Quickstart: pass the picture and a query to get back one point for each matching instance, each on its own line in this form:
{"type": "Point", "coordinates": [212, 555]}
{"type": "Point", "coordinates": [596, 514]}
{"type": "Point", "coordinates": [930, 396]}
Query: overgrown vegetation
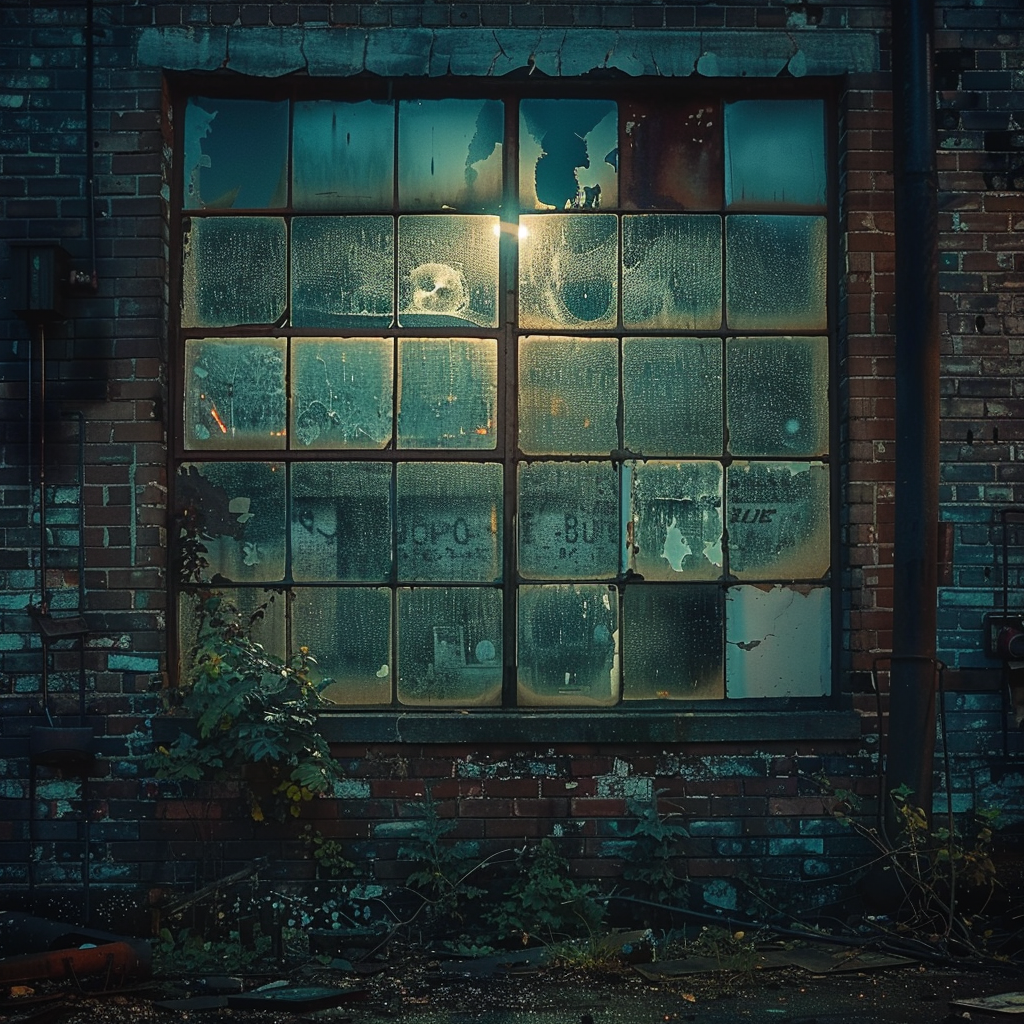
{"type": "Point", "coordinates": [656, 848]}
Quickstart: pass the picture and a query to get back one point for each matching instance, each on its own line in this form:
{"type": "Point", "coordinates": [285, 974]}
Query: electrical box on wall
{"type": "Point", "coordinates": [40, 273]}
{"type": "Point", "coordinates": [1004, 636]}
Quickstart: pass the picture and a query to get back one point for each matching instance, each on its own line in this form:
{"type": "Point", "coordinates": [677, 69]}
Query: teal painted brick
{"type": "Point", "coordinates": [795, 845]}
{"type": "Point", "coordinates": [132, 663]}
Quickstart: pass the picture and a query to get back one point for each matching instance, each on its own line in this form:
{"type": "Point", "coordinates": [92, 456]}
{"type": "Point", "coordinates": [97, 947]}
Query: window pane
{"type": "Point", "coordinates": [672, 643]}
{"type": "Point", "coordinates": [342, 392]}
{"type": "Point", "coordinates": [568, 395]}
{"type": "Point", "coordinates": [343, 271]}
{"type": "Point", "coordinates": [568, 154]}
{"type": "Point", "coordinates": [778, 520]}
{"type": "Point", "coordinates": [234, 272]}
{"type": "Point", "coordinates": [448, 271]}
{"type": "Point", "coordinates": [449, 646]}
{"type": "Point", "coordinates": [348, 632]}
{"type": "Point", "coordinates": [343, 155]}
{"type": "Point", "coordinates": [568, 271]}
{"type": "Point", "coordinates": [234, 393]}
{"type": "Point", "coordinates": [449, 521]}
{"type": "Point", "coordinates": [568, 645]}
{"type": "Point", "coordinates": [778, 396]}
{"type": "Point", "coordinates": [341, 521]}
{"type": "Point", "coordinates": [448, 389]}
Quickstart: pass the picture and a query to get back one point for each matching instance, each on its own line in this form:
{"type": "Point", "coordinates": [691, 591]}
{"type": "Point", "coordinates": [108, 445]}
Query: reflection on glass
{"type": "Point", "coordinates": [568, 645]}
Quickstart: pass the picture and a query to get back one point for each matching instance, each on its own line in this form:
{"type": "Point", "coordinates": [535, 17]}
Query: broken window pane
{"type": "Point", "coordinates": [775, 272]}
{"type": "Point", "coordinates": [778, 520]}
{"type": "Point", "coordinates": [449, 646]}
{"type": "Point", "coordinates": [233, 272]}
{"type": "Point", "coordinates": [568, 154]}
{"type": "Point", "coordinates": [568, 395]}
{"type": "Point", "coordinates": [448, 271]}
{"type": "Point", "coordinates": [343, 155]}
{"type": "Point", "coordinates": [341, 521]}
{"type": "Point", "coordinates": [343, 271]}
{"type": "Point", "coordinates": [448, 389]}
{"type": "Point", "coordinates": [777, 402]}
{"type": "Point", "coordinates": [677, 520]}
{"type": "Point", "coordinates": [778, 642]}
{"type": "Point", "coordinates": [235, 154]}
{"type": "Point", "coordinates": [342, 392]}
{"type": "Point", "coordinates": [672, 643]}
{"type": "Point", "coordinates": [568, 645]}
{"type": "Point", "coordinates": [348, 632]}
{"type": "Point", "coordinates": [672, 272]}
{"type": "Point", "coordinates": [234, 393]}
{"type": "Point", "coordinates": [449, 154]}
{"type": "Point", "coordinates": [449, 521]}
{"type": "Point", "coordinates": [568, 520]}
{"type": "Point", "coordinates": [672, 396]}
{"type": "Point", "coordinates": [568, 271]}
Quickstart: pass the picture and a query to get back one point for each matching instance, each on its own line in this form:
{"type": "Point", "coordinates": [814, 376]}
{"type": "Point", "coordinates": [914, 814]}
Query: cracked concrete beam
{"type": "Point", "coordinates": [336, 52]}
{"type": "Point", "coordinates": [265, 52]}
{"type": "Point", "coordinates": [403, 53]}
{"type": "Point", "coordinates": [183, 49]}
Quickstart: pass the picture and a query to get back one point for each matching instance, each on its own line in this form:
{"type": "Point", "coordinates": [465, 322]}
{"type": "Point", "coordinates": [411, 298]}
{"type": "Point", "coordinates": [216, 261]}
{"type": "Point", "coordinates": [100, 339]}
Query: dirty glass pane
{"type": "Point", "coordinates": [568, 271]}
{"type": "Point", "coordinates": [778, 642]}
{"type": "Point", "coordinates": [449, 154]}
{"type": "Point", "coordinates": [778, 520]}
{"type": "Point", "coordinates": [449, 646]}
{"type": "Point", "coordinates": [448, 271]}
{"type": "Point", "coordinates": [672, 396]}
{"type": "Point", "coordinates": [237, 513]}
{"type": "Point", "coordinates": [568, 520]}
{"type": "Point", "coordinates": [343, 155]}
{"type": "Point", "coordinates": [568, 395]}
{"type": "Point", "coordinates": [448, 392]}
{"type": "Point", "coordinates": [233, 272]}
{"type": "Point", "coordinates": [777, 401]}
{"type": "Point", "coordinates": [568, 154]}
{"type": "Point", "coordinates": [672, 272]}
{"type": "Point", "coordinates": [342, 392]}
{"type": "Point", "coordinates": [568, 645]}
{"type": "Point", "coordinates": [348, 632]}
{"type": "Point", "coordinates": [449, 521]}
{"type": "Point", "coordinates": [671, 155]}
{"type": "Point", "coordinates": [341, 521]}
{"type": "Point", "coordinates": [672, 643]}
{"type": "Point", "coordinates": [235, 154]}
{"type": "Point", "coordinates": [775, 272]}
{"type": "Point", "coordinates": [775, 153]}
{"type": "Point", "coordinates": [677, 520]}
{"type": "Point", "coordinates": [234, 393]}
{"type": "Point", "coordinates": [343, 271]}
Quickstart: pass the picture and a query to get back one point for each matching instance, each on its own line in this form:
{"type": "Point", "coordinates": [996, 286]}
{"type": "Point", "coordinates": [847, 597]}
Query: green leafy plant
{"type": "Point", "coordinates": [328, 854]}
{"type": "Point", "coordinates": [189, 952]}
{"type": "Point", "coordinates": [656, 844]}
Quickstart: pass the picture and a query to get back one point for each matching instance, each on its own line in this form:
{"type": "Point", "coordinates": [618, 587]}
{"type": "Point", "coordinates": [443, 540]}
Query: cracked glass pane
{"type": "Point", "coordinates": [568, 395]}
{"type": "Point", "coordinates": [568, 154]}
{"type": "Point", "coordinates": [343, 271]}
{"type": "Point", "coordinates": [568, 271]}
{"type": "Point", "coordinates": [568, 520]}
{"type": "Point", "coordinates": [343, 155]}
{"type": "Point", "coordinates": [448, 271]}
{"type": "Point", "coordinates": [449, 154]}
{"type": "Point", "coordinates": [677, 520]}
{"type": "Point", "coordinates": [348, 632]}
{"type": "Point", "coordinates": [672, 643]}
{"type": "Point", "coordinates": [778, 520]}
{"type": "Point", "coordinates": [775, 272]}
{"type": "Point", "coordinates": [235, 154]}
{"type": "Point", "coordinates": [778, 642]}
{"type": "Point", "coordinates": [342, 392]}
{"type": "Point", "coordinates": [449, 521]}
{"type": "Point", "coordinates": [672, 396]}
{"type": "Point", "coordinates": [448, 391]}
{"type": "Point", "coordinates": [568, 653]}
{"type": "Point", "coordinates": [341, 521]}
{"type": "Point", "coordinates": [449, 646]}
{"type": "Point", "coordinates": [234, 393]}
{"type": "Point", "coordinates": [233, 271]}
{"type": "Point", "coordinates": [777, 400]}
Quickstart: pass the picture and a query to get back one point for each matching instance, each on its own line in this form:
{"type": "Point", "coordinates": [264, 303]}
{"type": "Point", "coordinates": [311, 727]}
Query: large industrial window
{"type": "Point", "coordinates": [511, 400]}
